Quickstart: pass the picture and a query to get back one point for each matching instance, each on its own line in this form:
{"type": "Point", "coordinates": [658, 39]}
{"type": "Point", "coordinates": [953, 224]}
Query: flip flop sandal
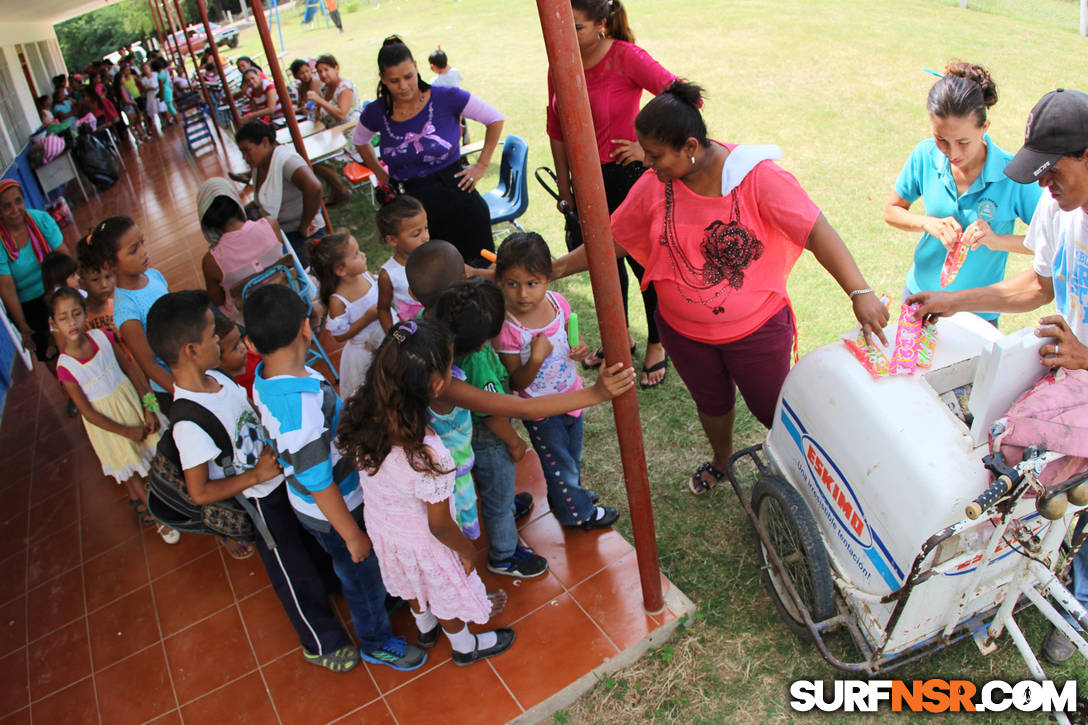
{"type": "Point", "coordinates": [141, 511]}
{"type": "Point", "coordinates": [696, 483]}
{"type": "Point", "coordinates": [663, 365]}
{"type": "Point", "coordinates": [238, 549]}
{"type": "Point", "coordinates": [598, 355]}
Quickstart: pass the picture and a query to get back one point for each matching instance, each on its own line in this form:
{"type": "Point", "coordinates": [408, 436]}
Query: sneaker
{"type": "Point", "coordinates": [604, 516]}
{"type": "Point", "coordinates": [1057, 647]}
{"type": "Point", "coordinates": [395, 652]}
{"type": "Point", "coordinates": [505, 639]}
{"type": "Point", "coordinates": [426, 640]}
{"type": "Point", "coordinates": [170, 536]}
{"type": "Point", "coordinates": [341, 660]}
{"type": "Point", "coordinates": [523, 504]}
{"type": "Point", "coordinates": [524, 564]}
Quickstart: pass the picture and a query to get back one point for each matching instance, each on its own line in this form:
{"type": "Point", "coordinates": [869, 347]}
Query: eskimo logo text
{"type": "Point", "coordinates": [837, 493]}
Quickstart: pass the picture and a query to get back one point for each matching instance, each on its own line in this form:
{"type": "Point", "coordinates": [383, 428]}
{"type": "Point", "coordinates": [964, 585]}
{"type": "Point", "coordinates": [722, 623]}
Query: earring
{"type": "Point", "coordinates": [693, 161]}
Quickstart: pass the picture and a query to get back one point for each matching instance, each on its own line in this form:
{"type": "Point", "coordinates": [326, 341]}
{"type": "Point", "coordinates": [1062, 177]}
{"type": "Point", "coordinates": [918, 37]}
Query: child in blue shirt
{"type": "Point", "coordinates": [301, 411]}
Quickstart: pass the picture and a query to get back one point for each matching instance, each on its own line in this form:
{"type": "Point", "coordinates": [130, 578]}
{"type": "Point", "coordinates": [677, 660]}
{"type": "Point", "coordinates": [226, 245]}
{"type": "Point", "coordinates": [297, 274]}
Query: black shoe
{"type": "Point", "coordinates": [426, 640]}
{"type": "Point", "coordinates": [505, 639]}
{"type": "Point", "coordinates": [1057, 647]}
{"type": "Point", "coordinates": [603, 519]}
{"type": "Point", "coordinates": [524, 564]}
{"type": "Point", "coordinates": [593, 496]}
{"type": "Point", "coordinates": [523, 505]}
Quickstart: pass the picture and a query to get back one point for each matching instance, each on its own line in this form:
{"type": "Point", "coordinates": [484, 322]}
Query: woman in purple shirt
{"type": "Point", "coordinates": [420, 129]}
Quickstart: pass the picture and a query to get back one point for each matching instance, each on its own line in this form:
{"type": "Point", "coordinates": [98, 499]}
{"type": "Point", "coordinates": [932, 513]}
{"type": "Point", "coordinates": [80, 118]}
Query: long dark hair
{"type": "Point", "coordinates": [474, 310]}
{"type": "Point", "coordinates": [965, 90]}
{"type": "Point", "coordinates": [611, 12]}
{"type": "Point", "coordinates": [394, 52]}
{"type": "Point", "coordinates": [391, 408]}
{"type": "Point", "coordinates": [325, 254]}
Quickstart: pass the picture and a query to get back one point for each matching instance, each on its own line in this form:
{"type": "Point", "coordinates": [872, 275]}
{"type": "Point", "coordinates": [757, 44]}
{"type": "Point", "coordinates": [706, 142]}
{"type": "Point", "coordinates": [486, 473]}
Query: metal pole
{"type": "Point", "coordinates": [281, 89]}
{"type": "Point", "coordinates": [560, 41]}
{"type": "Point", "coordinates": [157, 22]}
{"type": "Point", "coordinates": [219, 64]}
{"type": "Point", "coordinates": [279, 25]}
{"type": "Point", "coordinates": [196, 65]}
{"type": "Point", "coordinates": [174, 38]}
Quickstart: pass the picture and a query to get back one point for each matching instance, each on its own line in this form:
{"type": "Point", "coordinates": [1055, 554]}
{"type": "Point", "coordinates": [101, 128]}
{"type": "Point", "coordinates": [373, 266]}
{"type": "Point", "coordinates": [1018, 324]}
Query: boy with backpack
{"type": "Point", "coordinates": [301, 410]}
{"type": "Point", "coordinates": [222, 453]}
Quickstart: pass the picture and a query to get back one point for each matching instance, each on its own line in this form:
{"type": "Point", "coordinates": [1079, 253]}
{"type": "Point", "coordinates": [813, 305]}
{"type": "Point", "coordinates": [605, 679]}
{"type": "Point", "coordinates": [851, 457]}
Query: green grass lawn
{"type": "Point", "coordinates": [840, 86]}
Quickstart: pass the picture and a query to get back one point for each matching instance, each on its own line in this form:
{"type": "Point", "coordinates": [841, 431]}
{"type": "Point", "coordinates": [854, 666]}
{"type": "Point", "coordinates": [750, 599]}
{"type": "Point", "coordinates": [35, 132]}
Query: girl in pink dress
{"type": "Point", "coordinates": [407, 477]}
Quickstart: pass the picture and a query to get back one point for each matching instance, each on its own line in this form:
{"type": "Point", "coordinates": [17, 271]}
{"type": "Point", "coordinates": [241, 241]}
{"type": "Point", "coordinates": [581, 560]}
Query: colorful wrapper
{"type": "Point", "coordinates": [908, 336]}
{"type": "Point", "coordinates": [953, 261]}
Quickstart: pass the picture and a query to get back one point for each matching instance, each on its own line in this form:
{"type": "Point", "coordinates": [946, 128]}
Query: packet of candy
{"type": "Point", "coordinates": [871, 357]}
{"type": "Point", "coordinates": [953, 261]}
{"type": "Point", "coordinates": [908, 336]}
{"type": "Point", "coordinates": [926, 346]}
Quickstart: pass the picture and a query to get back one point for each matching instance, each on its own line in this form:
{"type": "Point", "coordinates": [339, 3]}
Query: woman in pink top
{"type": "Point", "coordinates": [718, 228]}
{"type": "Point", "coordinates": [239, 247]}
{"type": "Point", "coordinates": [617, 72]}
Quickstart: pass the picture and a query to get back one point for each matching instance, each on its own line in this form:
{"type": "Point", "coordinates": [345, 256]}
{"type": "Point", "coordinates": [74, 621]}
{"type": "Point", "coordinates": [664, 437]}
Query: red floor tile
{"type": "Point", "coordinates": [74, 704]}
{"type": "Point", "coordinates": [195, 672]}
{"type": "Point", "coordinates": [114, 574]}
{"type": "Point", "coordinates": [376, 713]}
{"type": "Point", "coordinates": [246, 575]}
{"type": "Point", "coordinates": [13, 576]}
{"type": "Point", "coordinates": [555, 645]}
{"type": "Point", "coordinates": [20, 717]}
{"type": "Point", "coordinates": [13, 530]}
{"type": "Point", "coordinates": [16, 491]}
{"type": "Point", "coordinates": [269, 629]}
{"type": "Point", "coordinates": [163, 558]}
{"type": "Point", "coordinates": [98, 492]}
{"type": "Point", "coordinates": [170, 718]}
{"type": "Point", "coordinates": [191, 592]}
{"type": "Point", "coordinates": [53, 556]}
{"type": "Point", "coordinates": [613, 598]}
{"type": "Point", "coordinates": [522, 595]}
{"type": "Point", "coordinates": [389, 679]}
{"type": "Point", "coordinates": [244, 702]}
{"type": "Point", "coordinates": [13, 682]}
{"type": "Point", "coordinates": [136, 689]}
{"type": "Point", "coordinates": [574, 555]}
{"type": "Point", "coordinates": [119, 629]}
{"type": "Point", "coordinates": [305, 693]}
{"type": "Point", "coordinates": [53, 477]}
{"type": "Point", "coordinates": [18, 465]}
{"type": "Point", "coordinates": [55, 604]}
{"type": "Point", "coordinates": [12, 625]}
{"type": "Point", "coordinates": [53, 514]}
{"type": "Point", "coordinates": [59, 659]}
{"type": "Point", "coordinates": [106, 527]}
{"type": "Point", "coordinates": [441, 696]}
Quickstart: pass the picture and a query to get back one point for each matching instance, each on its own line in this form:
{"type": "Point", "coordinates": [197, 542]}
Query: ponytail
{"type": "Point", "coordinates": [394, 52]}
{"type": "Point", "coordinates": [611, 13]}
{"type": "Point", "coordinates": [673, 116]}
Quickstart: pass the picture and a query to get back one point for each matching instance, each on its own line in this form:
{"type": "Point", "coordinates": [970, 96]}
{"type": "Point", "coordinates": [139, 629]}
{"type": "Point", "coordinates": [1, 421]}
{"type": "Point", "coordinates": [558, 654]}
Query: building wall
{"type": "Point", "coordinates": [18, 112]}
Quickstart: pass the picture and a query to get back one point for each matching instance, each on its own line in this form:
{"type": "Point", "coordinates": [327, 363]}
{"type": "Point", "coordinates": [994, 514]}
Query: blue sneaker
{"type": "Point", "coordinates": [523, 504]}
{"type": "Point", "coordinates": [524, 564]}
{"type": "Point", "coordinates": [395, 652]}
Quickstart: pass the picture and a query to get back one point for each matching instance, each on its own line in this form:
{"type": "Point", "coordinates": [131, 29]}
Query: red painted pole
{"type": "Point", "coordinates": [281, 90]}
{"type": "Point", "coordinates": [174, 39]}
{"type": "Point", "coordinates": [157, 22]}
{"type": "Point", "coordinates": [561, 43]}
{"type": "Point", "coordinates": [219, 63]}
{"type": "Point", "coordinates": [196, 65]}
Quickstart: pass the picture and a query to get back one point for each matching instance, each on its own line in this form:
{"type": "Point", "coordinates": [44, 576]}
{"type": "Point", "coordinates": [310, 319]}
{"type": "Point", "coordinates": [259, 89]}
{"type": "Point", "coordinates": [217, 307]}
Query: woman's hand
{"type": "Point", "coordinates": [626, 152]}
{"type": "Point", "coordinates": [978, 233]}
{"type": "Point", "coordinates": [1067, 351]}
{"type": "Point", "coordinates": [872, 315]}
{"type": "Point", "coordinates": [313, 96]}
{"type": "Point", "coordinates": [470, 176]}
{"type": "Point", "coordinates": [946, 230]}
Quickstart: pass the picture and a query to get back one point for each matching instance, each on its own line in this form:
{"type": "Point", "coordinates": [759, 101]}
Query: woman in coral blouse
{"type": "Point", "coordinates": [718, 227]}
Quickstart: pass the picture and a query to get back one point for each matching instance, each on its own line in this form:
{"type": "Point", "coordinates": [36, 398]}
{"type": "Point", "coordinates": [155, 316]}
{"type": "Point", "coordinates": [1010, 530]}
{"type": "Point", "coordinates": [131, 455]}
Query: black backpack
{"type": "Point", "coordinates": [168, 498]}
{"type": "Point", "coordinates": [95, 159]}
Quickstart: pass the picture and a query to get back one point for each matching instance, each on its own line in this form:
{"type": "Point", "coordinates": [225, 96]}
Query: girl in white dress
{"type": "Point", "coordinates": [350, 294]}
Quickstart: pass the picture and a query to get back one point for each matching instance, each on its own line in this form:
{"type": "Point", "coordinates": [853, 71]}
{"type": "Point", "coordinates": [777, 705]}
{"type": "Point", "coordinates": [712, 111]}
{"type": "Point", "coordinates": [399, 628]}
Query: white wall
{"type": "Point", "coordinates": [22, 88]}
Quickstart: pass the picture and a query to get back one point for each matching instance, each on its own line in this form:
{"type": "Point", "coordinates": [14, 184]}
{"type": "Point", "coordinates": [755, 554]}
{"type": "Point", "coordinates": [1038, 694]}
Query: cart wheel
{"type": "Point", "coordinates": [786, 518]}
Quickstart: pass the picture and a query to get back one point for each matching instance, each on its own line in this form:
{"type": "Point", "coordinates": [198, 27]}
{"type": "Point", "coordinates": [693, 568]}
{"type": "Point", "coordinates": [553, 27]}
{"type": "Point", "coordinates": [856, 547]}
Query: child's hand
{"type": "Point", "coordinates": [135, 432]}
{"type": "Point", "coordinates": [517, 449]}
{"type": "Point", "coordinates": [466, 561]}
{"type": "Point", "coordinates": [359, 547]}
{"type": "Point", "coordinates": [268, 466]}
{"type": "Point", "coordinates": [580, 353]}
{"type": "Point", "coordinates": [615, 380]}
{"type": "Point", "coordinates": [540, 348]}
{"type": "Point", "coordinates": [151, 422]}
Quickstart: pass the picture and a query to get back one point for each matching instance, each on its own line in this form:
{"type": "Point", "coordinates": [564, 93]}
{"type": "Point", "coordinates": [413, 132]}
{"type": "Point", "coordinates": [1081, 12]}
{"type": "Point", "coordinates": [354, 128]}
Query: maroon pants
{"type": "Point", "coordinates": [757, 364]}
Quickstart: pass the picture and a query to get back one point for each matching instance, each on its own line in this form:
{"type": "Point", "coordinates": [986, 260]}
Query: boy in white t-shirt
{"type": "Point", "coordinates": [181, 331]}
{"type": "Point", "coordinates": [1055, 154]}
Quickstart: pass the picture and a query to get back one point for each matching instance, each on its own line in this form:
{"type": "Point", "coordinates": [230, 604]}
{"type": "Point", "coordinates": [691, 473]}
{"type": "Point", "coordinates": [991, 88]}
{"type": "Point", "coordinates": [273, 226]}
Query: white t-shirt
{"type": "Point", "coordinates": [451, 78]}
{"type": "Point", "coordinates": [1060, 242]}
{"type": "Point", "coordinates": [231, 406]}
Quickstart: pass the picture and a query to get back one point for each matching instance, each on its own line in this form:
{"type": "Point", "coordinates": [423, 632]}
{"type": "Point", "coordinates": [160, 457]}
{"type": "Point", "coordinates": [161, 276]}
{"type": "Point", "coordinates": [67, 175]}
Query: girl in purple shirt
{"type": "Point", "coordinates": [420, 129]}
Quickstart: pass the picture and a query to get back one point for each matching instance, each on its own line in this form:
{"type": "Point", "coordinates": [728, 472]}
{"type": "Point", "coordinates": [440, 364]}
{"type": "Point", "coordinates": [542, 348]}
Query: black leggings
{"type": "Point", "coordinates": [36, 314]}
{"type": "Point", "coordinates": [459, 217]}
{"type": "Point", "coordinates": [618, 181]}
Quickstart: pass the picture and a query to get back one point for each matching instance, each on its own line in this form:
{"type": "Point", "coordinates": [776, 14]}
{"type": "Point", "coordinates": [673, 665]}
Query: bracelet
{"type": "Point", "coordinates": [857, 292]}
{"type": "Point", "coordinates": [151, 403]}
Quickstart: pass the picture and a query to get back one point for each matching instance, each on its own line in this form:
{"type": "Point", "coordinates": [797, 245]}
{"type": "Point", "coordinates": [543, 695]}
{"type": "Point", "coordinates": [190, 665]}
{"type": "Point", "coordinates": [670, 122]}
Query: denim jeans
{"type": "Point", "coordinates": [1079, 587]}
{"type": "Point", "coordinates": [362, 588]}
{"type": "Point", "coordinates": [495, 473]}
{"type": "Point", "coordinates": [558, 442]}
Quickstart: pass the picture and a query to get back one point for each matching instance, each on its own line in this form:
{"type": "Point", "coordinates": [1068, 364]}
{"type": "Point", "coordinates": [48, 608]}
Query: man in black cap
{"type": "Point", "coordinates": [1055, 154]}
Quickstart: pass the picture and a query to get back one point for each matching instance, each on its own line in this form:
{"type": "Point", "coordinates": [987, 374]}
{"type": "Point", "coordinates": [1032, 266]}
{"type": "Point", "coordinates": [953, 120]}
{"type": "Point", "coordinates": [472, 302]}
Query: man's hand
{"type": "Point", "coordinates": [934, 304]}
{"type": "Point", "coordinates": [1066, 350]}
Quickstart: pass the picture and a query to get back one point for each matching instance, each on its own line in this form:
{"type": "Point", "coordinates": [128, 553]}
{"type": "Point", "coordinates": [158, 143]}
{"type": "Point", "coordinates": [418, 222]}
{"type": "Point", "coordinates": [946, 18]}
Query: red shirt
{"type": "Point", "coordinates": [245, 379]}
{"type": "Point", "coordinates": [615, 85]}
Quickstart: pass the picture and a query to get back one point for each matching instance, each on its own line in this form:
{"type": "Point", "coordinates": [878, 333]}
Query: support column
{"type": "Point", "coordinates": [219, 63]}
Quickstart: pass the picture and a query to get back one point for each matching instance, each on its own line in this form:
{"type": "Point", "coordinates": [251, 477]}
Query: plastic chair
{"type": "Point", "coordinates": [510, 198]}
{"type": "Point", "coordinates": [358, 175]}
{"type": "Point", "coordinates": [289, 272]}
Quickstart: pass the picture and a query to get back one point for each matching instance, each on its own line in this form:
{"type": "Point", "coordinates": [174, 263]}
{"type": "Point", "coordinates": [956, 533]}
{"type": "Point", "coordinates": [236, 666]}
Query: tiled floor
{"type": "Point", "coordinates": [100, 621]}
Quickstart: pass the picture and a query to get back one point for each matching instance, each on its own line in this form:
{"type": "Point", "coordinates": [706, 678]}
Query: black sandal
{"type": "Point", "coordinates": [663, 365]}
{"type": "Point", "coordinates": [141, 512]}
{"type": "Point", "coordinates": [696, 483]}
{"type": "Point", "coordinates": [599, 355]}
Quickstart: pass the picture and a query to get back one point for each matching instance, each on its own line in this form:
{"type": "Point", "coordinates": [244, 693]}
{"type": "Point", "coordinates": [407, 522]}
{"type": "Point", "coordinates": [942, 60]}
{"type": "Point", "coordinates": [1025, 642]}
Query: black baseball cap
{"type": "Point", "coordinates": [1058, 125]}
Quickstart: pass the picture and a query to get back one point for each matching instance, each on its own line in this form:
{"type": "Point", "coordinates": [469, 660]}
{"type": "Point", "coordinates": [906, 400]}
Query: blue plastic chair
{"type": "Point", "coordinates": [510, 198]}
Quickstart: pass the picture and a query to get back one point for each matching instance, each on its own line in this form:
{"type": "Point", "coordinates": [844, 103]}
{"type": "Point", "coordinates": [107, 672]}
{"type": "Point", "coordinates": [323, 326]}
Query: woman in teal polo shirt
{"type": "Point", "coordinates": [959, 175]}
{"type": "Point", "coordinates": [27, 236]}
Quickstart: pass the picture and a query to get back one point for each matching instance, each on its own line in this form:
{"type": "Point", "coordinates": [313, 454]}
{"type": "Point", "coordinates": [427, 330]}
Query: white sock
{"type": "Point", "coordinates": [598, 514]}
{"type": "Point", "coordinates": [464, 642]}
{"type": "Point", "coordinates": [425, 620]}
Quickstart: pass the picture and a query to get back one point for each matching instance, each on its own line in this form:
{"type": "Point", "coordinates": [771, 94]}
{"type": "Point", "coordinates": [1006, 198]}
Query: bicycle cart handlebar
{"type": "Point", "coordinates": [989, 497]}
